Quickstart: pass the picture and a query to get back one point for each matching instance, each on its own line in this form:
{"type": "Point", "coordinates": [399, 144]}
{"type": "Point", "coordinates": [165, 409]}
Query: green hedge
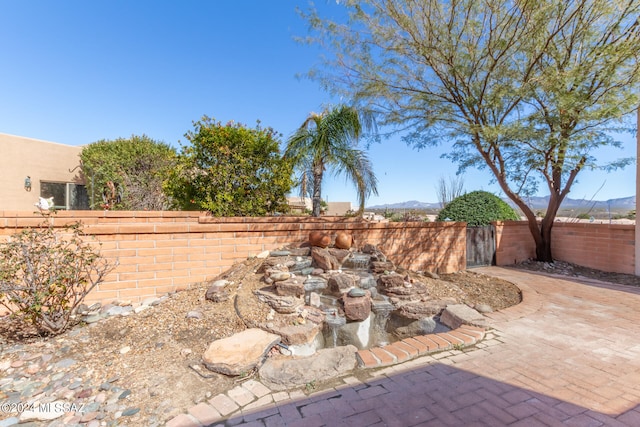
{"type": "Point", "coordinates": [477, 208]}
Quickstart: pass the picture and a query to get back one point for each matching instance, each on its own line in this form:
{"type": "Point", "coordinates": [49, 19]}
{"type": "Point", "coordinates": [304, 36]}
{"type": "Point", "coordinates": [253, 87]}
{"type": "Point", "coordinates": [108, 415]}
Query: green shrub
{"type": "Point", "coordinates": [44, 275]}
{"type": "Point", "coordinates": [477, 208]}
{"type": "Point", "coordinates": [583, 216]}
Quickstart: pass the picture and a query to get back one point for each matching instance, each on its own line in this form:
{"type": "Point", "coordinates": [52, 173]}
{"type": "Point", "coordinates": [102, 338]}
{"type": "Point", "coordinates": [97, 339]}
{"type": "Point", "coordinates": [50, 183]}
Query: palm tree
{"type": "Point", "coordinates": [330, 140]}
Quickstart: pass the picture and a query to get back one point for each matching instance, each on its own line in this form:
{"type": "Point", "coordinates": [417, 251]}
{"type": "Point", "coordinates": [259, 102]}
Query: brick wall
{"type": "Point", "coordinates": [607, 247]}
{"type": "Point", "coordinates": [159, 252]}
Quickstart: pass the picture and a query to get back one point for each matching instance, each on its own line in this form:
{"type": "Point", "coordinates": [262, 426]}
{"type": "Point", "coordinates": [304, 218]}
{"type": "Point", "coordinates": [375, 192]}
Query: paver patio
{"type": "Point", "coordinates": [569, 354]}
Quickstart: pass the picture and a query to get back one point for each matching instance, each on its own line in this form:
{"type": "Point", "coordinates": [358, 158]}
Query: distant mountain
{"type": "Point", "coordinates": [624, 203]}
{"type": "Point", "coordinates": [411, 204]}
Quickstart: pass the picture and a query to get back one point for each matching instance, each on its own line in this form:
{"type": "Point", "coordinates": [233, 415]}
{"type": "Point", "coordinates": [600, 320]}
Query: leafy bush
{"type": "Point", "coordinates": [478, 208]}
{"type": "Point", "coordinates": [231, 170]}
{"type": "Point", "coordinates": [583, 216]}
{"type": "Point", "coordinates": [128, 173]}
{"type": "Point", "coordinates": [45, 274]}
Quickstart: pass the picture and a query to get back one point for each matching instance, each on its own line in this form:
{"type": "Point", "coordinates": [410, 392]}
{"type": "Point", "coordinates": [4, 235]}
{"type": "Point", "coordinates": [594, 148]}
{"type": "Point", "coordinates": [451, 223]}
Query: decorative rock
{"type": "Point", "coordinates": [356, 292]}
{"type": "Point", "coordinates": [217, 291]}
{"type": "Point", "coordinates": [314, 283]}
{"type": "Point", "coordinates": [339, 254]}
{"type": "Point", "coordinates": [325, 364]}
{"type": "Point", "coordinates": [300, 266]}
{"type": "Point", "coordinates": [304, 333]}
{"type": "Point", "coordinates": [340, 283]}
{"type": "Point", "coordinates": [314, 299]}
{"type": "Point", "coordinates": [357, 309]}
{"type": "Point", "coordinates": [279, 253]}
{"type": "Point", "coordinates": [421, 310]}
{"type": "Point", "coordinates": [263, 255]}
{"type": "Point", "coordinates": [93, 318]}
{"type": "Point", "coordinates": [419, 327]}
{"type": "Point", "coordinates": [303, 251]}
{"type": "Point", "coordinates": [456, 315]}
{"type": "Point", "coordinates": [281, 304]}
{"type": "Point", "coordinates": [239, 353]}
{"type": "Point", "coordinates": [390, 281]}
{"type": "Point", "coordinates": [382, 266]}
{"type": "Point", "coordinates": [151, 301]}
{"type": "Point", "coordinates": [319, 239]}
{"type": "Point", "coordinates": [279, 276]}
{"type": "Point", "coordinates": [343, 240]}
{"type": "Point", "coordinates": [290, 287]}
{"type": "Point", "coordinates": [483, 308]}
{"type": "Point", "coordinates": [323, 259]}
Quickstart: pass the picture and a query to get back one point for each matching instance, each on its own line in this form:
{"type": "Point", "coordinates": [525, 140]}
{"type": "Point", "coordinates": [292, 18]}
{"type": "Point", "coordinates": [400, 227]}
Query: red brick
{"type": "Point", "coordinates": [367, 359]}
{"type": "Point", "coordinates": [384, 357]}
{"type": "Point", "coordinates": [400, 354]}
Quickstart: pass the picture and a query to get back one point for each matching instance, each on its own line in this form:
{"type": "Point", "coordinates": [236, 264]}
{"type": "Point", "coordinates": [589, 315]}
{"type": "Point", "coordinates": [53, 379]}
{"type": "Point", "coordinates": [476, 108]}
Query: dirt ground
{"type": "Point", "coordinates": [162, 366]}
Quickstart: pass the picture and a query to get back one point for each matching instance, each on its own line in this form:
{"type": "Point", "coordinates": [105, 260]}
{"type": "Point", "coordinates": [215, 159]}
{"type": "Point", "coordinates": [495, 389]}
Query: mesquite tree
{"type": "Point", "coordinates": [526, 88]}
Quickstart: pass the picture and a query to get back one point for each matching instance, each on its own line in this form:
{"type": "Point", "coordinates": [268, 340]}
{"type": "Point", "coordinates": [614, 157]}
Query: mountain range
{"type": "Point", "coordinates": [536, 202]}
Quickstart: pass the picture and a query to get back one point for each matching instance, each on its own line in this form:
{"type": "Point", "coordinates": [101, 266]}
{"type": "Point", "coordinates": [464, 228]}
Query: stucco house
{"type": "Point", "coordinates": [32, 168]}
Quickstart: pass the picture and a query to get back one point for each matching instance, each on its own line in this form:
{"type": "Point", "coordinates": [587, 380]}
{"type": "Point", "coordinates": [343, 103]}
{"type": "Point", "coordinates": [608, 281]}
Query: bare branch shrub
{"type": "Point", "coordinates": [45, 274]}
{"type": "Point", "coordinates": [449, 190]}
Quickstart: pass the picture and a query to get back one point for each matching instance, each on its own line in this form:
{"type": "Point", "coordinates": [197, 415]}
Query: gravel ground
{"type": "Point", "coordinates": [148, 357]}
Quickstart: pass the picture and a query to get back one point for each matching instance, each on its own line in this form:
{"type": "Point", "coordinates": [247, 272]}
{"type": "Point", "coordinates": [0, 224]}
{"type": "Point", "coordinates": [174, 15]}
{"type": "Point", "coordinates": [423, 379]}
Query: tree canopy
{"type": "Point", "coordinates": [231, 170]}
{"type": "Point", "coordinates": [526, 88]}
{"type": "Point", "coordinates": [127, 173]}
{"type": "Point", "coordinates": [330, 140]}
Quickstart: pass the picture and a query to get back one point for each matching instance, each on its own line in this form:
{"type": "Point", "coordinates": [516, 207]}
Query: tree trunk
{"type": "Point", "coordinates": [317, 189]}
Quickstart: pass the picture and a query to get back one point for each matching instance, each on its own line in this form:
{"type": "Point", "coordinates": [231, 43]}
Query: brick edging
{"type": "Point", "coordinates": [409, 348]}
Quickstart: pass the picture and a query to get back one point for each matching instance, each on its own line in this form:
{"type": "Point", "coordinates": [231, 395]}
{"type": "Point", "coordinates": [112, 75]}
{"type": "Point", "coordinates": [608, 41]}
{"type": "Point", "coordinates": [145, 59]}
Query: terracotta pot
{"type": "Point", "coordinates": [343, 240]}
{"type": "Point", "coordinates": [318, 238]}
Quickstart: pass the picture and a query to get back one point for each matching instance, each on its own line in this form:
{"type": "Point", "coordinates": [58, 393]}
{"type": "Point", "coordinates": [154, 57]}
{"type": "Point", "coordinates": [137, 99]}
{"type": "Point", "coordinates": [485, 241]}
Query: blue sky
{"type": "Point", "coordinates": [78, 71]}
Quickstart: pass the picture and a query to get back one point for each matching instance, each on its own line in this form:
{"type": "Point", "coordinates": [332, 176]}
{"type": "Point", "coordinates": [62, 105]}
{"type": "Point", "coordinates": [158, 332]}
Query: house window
{"type": "Point", "coordinates": [66, 195]}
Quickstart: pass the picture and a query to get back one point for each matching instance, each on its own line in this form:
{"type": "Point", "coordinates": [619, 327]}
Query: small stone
{"type": "Point", "coordinates": [130, 411]}
{"type": "Point", "coordinates": [194, 315]}
{"type": "Point", "coordinates": [93, 318]}
{"type": "Point", "coordinates": [105, 387]}
{"type": "Point", "coordinates": [483, 308]}
{"type": "Point", "coordinates": [124, 394]}
{"type": "Point", "coordinates": [279, 253]}
{"type": "Point", "coordinates": [101, 398]}
{"type": "Point", "coordinates": [356, 293]}
{"type": "Point", "coordinates": [17, 363]}
{"type": "Point", "coordinates": [83, 394]}
{"type": "Point", "coordinates": [185, 352]}
{"type": "Point", "coordinates": [88, 416]}
{"type": "Point", "coordinates": [263, 255]}
{"type": "Point", "coordinates": [141, 308]}
{"type": "Point", "coordinates": [125, 350]}
{"type": "Point", "coordinates": [74, 385]}
{"type": "Point", "coordinates": [64, 363]}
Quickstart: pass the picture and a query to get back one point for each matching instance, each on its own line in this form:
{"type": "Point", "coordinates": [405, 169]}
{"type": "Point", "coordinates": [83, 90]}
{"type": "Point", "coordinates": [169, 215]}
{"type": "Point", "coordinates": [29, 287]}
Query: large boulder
{"type": "Point", "coordinates": [239, 353]}
{"type": "Point", "coordinates": [341, 283]}
{"type": "Point", "coordinates": [326, 364]}
{"type": "Point", "coordinates": [323, 259]}
{"type": "Point", "coordinates": [357, 308]}
{"type": "Point", "coordinates": [456, 315]}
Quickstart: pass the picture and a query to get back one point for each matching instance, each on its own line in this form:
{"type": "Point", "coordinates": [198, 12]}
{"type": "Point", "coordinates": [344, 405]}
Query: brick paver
{"type": "Point", "coordinates": [568, 355]}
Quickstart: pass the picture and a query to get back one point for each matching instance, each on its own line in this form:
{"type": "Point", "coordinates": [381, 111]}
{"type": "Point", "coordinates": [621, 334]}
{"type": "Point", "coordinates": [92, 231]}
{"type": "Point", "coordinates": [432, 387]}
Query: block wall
{"type": "Point", "coordinates": [160, 252]}
{"type": "Point", "coordinates": [607, 247]}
